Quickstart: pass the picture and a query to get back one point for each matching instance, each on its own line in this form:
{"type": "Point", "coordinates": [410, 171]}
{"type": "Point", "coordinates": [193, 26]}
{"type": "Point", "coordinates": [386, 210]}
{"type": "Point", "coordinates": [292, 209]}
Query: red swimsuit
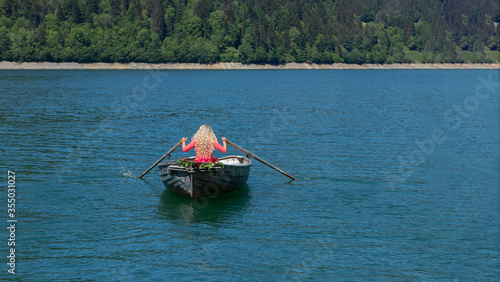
{"type": "Point", "coordinates": [203, 159]}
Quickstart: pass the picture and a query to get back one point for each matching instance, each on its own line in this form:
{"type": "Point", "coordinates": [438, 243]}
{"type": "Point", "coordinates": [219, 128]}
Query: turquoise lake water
{"type": "Point", "coordinates": [398, 175]}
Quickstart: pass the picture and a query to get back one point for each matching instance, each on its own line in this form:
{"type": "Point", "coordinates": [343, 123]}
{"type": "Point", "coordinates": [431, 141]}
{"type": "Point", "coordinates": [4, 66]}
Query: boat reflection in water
{"type": "Point", "coordinates": [181, 209]}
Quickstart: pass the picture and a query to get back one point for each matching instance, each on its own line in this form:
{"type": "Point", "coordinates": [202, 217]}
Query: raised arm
{"type": "Point", "coordinates": [188, 147]}
{"type": "Point", "coordinates": [224, 142]}
{"type": "Point", "coordinates": [221, 148]}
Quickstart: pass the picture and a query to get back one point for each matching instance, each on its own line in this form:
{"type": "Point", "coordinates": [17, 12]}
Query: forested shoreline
{"type": "Point", "coordinates": [250, 31]}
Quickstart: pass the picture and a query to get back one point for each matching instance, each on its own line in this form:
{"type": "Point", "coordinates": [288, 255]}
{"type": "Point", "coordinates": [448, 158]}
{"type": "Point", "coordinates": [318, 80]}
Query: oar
{"type": "Point", "coordinates": [259, 159]}
{"type": "Point", "coordinates": [164, 156]}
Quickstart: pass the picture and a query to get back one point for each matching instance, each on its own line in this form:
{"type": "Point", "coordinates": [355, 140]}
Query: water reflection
{"type": "Point", "coordinates": [183, 210]}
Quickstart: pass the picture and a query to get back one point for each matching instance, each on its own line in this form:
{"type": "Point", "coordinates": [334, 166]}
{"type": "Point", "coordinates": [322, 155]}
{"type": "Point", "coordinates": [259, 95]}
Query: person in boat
{"type": "Point", "coordinates": [204, 142]}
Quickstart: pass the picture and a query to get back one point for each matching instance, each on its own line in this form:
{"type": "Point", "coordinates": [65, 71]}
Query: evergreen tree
{"type": "Point", "coordinates": [157, 17]}
{"type": "Point", "coordinates": [75, 11]}
{"type": "Point", "coordinates": [114, 8]}
{"type": "Point", "coordinates": [138, 8]}
{"type": "Point", "coordinates": [92, 6]}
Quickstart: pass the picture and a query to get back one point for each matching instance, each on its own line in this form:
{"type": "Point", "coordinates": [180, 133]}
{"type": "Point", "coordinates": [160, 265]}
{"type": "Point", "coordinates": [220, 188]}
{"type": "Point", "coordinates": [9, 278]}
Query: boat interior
{"type": "Point", "coordinates": [227, 160]}
{"type": "Point", "coordinates": [235, 160]}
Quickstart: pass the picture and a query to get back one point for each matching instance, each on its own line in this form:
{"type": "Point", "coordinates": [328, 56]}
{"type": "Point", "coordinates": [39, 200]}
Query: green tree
{"type": "Point", "coordinates": [478, 46]}
{"type": "Point", "coordinates": [114, 8]}
{"type": "Point", "coordinates": [260, 55]}
{"type": "Point", "coordinates": [194, 26]}
{"type": "Point", "coordinates": [246, 49]}
{"type": "Point", "coordinates": [75, 11]}
{"type": "Point", "coordinates": [91, 9]}
{"type": "Point", "coordinates": [4, 43]}
{"type": "Point", "coordinates": [157, 17]}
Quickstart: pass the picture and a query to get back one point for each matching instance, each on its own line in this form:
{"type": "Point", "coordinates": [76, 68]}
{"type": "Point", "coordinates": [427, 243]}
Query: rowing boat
{"type": "Point", "coordinates": [199, 183]}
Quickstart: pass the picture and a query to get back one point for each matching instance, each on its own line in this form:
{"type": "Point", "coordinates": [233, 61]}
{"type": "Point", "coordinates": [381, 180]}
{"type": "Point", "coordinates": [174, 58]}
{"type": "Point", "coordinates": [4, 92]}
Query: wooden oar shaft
{"type": "Point", "coordinates": [259, 159]}
{"type": "Point", "coordinates": [161, 159]}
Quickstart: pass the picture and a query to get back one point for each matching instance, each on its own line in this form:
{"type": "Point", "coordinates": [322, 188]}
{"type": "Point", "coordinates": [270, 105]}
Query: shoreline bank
{"type": "Point", "coordinates": [4, 65]}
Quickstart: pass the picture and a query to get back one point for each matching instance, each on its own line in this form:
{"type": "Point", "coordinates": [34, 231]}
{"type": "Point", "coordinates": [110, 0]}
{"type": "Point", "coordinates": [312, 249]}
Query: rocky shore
{"type": "Point", "coordinates": [231, 66]}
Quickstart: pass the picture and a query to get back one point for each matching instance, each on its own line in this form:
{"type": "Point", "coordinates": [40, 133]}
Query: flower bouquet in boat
{"type": "Point", "coordinates": [198, 165]}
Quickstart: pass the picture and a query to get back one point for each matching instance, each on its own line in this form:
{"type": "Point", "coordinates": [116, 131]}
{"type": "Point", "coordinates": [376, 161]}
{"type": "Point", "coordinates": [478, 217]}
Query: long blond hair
{"type": "Point", "coordinates": [205, 138]}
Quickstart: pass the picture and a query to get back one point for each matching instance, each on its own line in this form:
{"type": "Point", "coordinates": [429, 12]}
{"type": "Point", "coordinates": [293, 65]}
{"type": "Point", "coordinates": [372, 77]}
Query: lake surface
{"type": "Point", "coordinates": [398, 175]}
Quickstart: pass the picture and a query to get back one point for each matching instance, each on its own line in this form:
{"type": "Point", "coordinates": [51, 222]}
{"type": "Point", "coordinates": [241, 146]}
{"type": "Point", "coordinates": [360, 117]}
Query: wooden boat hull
{"type": "Point", "coordinates": [197, 184]}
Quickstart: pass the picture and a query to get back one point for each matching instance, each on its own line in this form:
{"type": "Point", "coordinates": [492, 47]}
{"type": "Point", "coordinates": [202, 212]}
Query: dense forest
{"type": "Point", "coordinates": [250, 31]}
